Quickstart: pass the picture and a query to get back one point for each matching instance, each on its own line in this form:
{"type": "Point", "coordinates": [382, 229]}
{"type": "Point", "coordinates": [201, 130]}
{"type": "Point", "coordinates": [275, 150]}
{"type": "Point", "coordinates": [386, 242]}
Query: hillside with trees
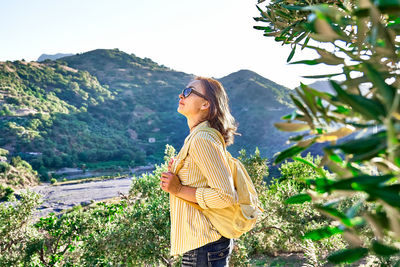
{"type": "Point", "coordinates": [106, 107]}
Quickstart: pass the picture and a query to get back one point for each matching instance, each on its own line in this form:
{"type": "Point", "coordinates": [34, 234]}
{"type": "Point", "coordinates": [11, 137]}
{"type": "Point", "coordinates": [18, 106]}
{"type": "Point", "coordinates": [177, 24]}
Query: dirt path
{"type": "Point", "coordinates": [58, 198]}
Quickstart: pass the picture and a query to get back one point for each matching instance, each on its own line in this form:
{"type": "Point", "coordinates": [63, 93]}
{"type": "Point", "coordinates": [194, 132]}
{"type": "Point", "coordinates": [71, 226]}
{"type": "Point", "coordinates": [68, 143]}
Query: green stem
{"type": "Point", "coordinates": [392, 142]}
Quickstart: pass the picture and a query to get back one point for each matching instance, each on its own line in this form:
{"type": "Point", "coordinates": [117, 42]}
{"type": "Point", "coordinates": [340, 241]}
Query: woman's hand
{"type": "Point", "coordinates": [170, 183]}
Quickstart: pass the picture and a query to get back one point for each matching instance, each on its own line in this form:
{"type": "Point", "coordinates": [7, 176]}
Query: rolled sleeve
{"type": "Point", "coordinates": [208, 154]}
{"type": "Point", "coordinates": [200, 197]}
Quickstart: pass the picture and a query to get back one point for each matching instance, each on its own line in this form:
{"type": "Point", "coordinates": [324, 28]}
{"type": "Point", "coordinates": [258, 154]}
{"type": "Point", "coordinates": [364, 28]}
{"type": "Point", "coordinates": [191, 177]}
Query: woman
{"type": "Point", "coordinates": [204, 179]}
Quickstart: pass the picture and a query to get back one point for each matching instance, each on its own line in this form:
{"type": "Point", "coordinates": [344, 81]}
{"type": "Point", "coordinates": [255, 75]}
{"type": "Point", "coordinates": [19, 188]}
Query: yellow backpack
{"type": "Point", "coordinates": [240, 218]}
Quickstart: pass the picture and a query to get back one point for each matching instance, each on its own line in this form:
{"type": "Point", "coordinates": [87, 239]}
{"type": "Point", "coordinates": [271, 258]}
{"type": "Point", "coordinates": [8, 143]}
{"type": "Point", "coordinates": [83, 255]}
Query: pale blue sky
{"type": "Point", "coordinates": [204, 37]}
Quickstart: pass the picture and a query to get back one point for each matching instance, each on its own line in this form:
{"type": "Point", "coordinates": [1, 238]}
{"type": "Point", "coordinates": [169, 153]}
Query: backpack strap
{"type": "Point", "coordinates": [185, 150]}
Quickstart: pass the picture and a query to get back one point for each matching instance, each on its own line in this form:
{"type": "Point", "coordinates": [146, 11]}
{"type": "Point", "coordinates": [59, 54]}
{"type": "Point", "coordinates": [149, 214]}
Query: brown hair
{"type": "Point", "coordinates": [219, 115]}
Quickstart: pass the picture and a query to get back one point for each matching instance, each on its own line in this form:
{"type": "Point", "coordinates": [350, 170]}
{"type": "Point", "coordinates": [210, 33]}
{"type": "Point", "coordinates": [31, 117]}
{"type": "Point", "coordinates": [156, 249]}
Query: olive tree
{"type": "Point", "coordinates": [359, 122]}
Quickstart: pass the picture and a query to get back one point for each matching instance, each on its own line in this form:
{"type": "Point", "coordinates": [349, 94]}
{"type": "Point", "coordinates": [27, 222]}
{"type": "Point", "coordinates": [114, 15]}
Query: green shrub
{"type": "Point", "coordinates": [298, 171]}
{"type": "Point", "coordinates": [16, 228]}
{"type": "Point", "coordinates": [53, 181]}
{"type": "Point", "coordinates": [16, 161]}
{"type": "Point", "coordinates": [4, 167]}
{"type": "Point", "coordinates": [135, 230]}
{"type": "Point", "coordinates": [58, 238]}
{"type": "Point", "coordinates": [43, 172]}
{"type": "Point", "coordinates": [3, 152]}
{"type": "Point", "coordinates": [5, 193]}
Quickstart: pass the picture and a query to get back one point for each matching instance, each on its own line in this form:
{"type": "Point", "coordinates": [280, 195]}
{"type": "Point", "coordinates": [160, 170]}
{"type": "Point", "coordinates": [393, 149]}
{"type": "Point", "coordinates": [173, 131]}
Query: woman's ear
{"type": "Point", "coordinates": [205, 105]}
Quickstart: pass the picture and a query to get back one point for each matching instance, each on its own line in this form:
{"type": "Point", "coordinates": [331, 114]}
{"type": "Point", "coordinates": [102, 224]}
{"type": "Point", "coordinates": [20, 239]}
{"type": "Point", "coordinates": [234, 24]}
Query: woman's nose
{"type": "Point", "coordinates": [181, 96]}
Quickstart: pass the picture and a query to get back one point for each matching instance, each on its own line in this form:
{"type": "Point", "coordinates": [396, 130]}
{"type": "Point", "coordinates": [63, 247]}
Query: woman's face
{"type": "Point", "coordinates": [193, 105]}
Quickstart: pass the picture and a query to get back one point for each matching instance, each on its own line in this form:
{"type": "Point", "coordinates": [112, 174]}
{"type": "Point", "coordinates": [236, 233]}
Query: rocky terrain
{"type": "Point", "coordinates": [59, 197]}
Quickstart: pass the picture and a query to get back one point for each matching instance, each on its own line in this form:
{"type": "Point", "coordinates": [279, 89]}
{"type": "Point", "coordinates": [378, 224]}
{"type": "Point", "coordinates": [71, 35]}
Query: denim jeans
{"type": "Point", "coordinates": [214, 254]}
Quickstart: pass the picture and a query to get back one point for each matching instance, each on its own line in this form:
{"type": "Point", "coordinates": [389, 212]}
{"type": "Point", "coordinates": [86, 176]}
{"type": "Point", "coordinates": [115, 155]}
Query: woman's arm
{"type": "Point", "coordinates": [209, 155]}
{"type": "Point", "coordinates": [170, 183]}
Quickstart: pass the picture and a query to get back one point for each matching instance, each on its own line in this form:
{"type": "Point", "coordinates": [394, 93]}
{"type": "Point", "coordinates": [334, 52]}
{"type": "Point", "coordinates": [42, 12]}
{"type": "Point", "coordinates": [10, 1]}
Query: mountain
{"type": "Point", "coordinates": [107, 107]}
{"type": "Point", "coordinates": [322, 86]}
{"type": "Point", "coordinates": [257, 103]}
{"type": "Point", "coordinates": [44, 57]}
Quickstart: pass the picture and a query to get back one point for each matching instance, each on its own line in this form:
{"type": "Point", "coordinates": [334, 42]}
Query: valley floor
{"type": "Point", "coordinates": [58, 198]}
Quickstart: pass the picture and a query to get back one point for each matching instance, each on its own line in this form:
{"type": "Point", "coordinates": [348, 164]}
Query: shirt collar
{"type": "Point", "coordinates": [204, 123]}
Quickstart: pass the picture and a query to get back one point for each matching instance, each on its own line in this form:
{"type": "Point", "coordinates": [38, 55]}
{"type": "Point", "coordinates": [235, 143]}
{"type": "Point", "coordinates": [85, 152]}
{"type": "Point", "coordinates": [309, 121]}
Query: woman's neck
{"type": "Point", "coordinates": [193, 122]}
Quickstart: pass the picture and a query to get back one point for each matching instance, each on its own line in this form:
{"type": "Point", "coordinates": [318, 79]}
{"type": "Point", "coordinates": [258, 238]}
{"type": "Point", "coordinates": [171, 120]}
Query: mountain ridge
{"type": "Point", "coordinates": [110, 106]}
{"type": "Point", "coordinates": [44, 57]}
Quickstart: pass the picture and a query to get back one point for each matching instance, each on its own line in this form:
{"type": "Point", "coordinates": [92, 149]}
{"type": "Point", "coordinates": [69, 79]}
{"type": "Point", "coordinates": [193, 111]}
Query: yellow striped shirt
{"type": "Point", "coordinates": [207, 169]}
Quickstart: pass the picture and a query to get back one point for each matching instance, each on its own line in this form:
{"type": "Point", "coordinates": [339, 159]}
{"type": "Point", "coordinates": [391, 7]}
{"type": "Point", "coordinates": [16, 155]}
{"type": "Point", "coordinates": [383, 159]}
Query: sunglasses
{"type": "Point", "coordinates": [187, 91]}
